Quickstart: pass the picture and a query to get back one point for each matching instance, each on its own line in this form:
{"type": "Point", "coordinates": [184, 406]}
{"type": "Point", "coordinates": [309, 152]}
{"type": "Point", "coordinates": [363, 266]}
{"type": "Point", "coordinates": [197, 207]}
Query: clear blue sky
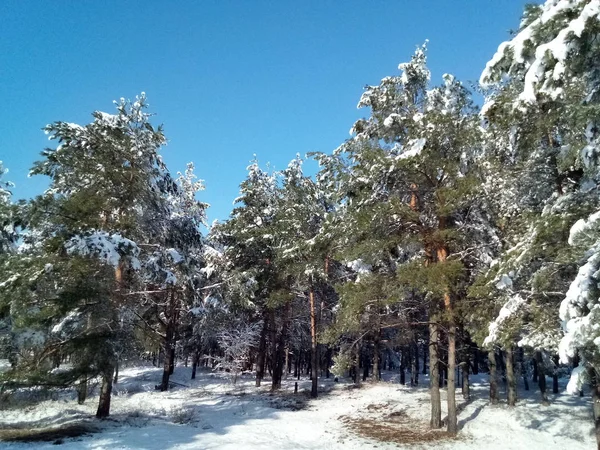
{"type": "Point", "coordinates": [228, 79]}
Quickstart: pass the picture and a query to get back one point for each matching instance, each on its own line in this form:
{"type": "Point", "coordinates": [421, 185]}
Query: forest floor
{"type": "Point", "coordinates": [211, 413]}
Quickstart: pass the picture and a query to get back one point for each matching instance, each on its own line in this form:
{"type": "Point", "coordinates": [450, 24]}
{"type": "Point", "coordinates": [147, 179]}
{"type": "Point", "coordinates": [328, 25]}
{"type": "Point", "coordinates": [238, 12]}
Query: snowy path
{"type": "Point", "coordinates": [210, 414]}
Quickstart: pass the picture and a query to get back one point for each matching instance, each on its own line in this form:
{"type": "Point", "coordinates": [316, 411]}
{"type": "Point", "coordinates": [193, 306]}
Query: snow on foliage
{"type": "Point", "coordinates": [509, 309]}
{"type": "Point", "coordinates": [109, 248]}
{"type": "Point", "coordinates": [541, 49]}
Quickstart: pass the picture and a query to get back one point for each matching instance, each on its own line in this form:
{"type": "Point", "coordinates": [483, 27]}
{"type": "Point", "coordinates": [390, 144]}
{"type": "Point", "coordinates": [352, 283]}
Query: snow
{"type": "Point", "coordinates": [211, 413]}
{"type": "Point", "coordinates": [105, 246]}
{"type": "Point", "coordinates": [544, 68]}
{"type": "Point", "coordinates": [413, 148]}
{"type": "Point", "coordinates": [582, 226]}
{"type": "Point", "coordinates": [174, 255]}
{"type": "Point", "coordinates": [510, 308]}
{"type": "Point", "coordinates": [66, 321]}
{"type": "Point", "coordinates": [578, 312]}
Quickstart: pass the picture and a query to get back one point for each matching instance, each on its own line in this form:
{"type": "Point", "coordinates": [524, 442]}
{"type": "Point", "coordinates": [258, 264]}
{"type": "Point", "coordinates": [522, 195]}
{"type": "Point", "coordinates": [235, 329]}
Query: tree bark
{"type": "Point", "coordinates": [493, 378]}
{"type": "Point", "coordinates": [262, 348]}
{"type": "Point", "coordinates": [116, 380]}
{"type": "Point", "coordinates": [452, 426]}
{"type": "Point", "coordinates": [280, 357]}
{"type": "Point", "coordinates": [476, 358]}
{"type": "Point", "coordinates": [523, 368]}
{"type": "Point", "coordinates": [82, 389]}
{"type": "Point", "coordinates": [194, 365]}
{"type": "Point", "coordinates": [541, 376]}
{"type": "Point", "coordinates": [313, 347]}
{"type": "Point", "coordinates": [403, 367]}
{"type": "Point", "coordinates": [466, 388]}
{"type": "Point", "coordinates": [434, 378]}
{"type": "Point", "coordinates": [510, 377]}
{"type": "Point", "coordinates": [376, 359]}
{"type": "Point", "coordinates": [357, 363]}
{"type": "Point", "coordinates": [415, 379]}
{"type": "Point", "coordinates": [555, 375]}
{"type": "Point", "coordinates": [105, 392]}
{"type": "Point", "coordinates": [595, 386]}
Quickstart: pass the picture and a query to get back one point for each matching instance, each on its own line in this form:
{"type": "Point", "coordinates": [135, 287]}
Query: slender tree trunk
{"type": "Point", "coordinates": [452, 426]}
{"type": "Point", "coordinates": [169, 342]}
{"type": "Point", "coordinates": [116, 380]}
{"type": "Point", "coordinates": [555, 375]}
{"type": "Point", "coordinates": [434, 378]}
{"type": "Point", "coordinates": [164, 385]}
{"type": "Point", "coordinates": [535, 369]}
{"type": "Point", "coordinates": [510, 377]}
{"type": "Point", "coordinates": [466, 388]}
{"type": "Point", "coordinates": [357, 363]}
{"type": "Point", "coordinates": [262, 348]}
{"type": "Point", "coordinates": [105, 392]}
{"type": "Point", "coordinates": [82, 389]}
{"type": "Point", "coordinates": [476, 360]}
{"type": "Point", "coordinates": [493, 378]}
{"type": "Point", "coordinates": [280, 357]}
{"type": "Point", "coordinates": [425, 359]}
{"type": "Point", "coordinates": [523, 368]}
{"type": "Point", "coordinates": [313, 347]}
{"type": "Point", "coordinates": [194, 365]}
{"type": "Point", "coordinates": [413, 365]}
{"type": "Point", "coordinates": [416, 376]}
{"type": "Point", "coordinates": [541, 377]}
{"type": "Point", "coordinates": [403, 367]}
{"type": "Point", "coordinates": [376, 359]}
{"type": "Point", "coordinates": [595, 386]}
{"type": "Point", "coordinates": [172, 360]}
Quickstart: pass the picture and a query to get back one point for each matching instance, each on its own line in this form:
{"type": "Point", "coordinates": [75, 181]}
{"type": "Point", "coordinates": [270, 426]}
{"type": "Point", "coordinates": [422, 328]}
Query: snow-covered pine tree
{"type": "Point", "coordinates": [249, 251]}
{"type": "Point", "coordinates": [82, 261]}
{"type": "Point", "coordinates": [412, 194]}
{"type": "Point", "coordinates": [302, 254]}
{"type": "Point", "coordinates": [543, 105]}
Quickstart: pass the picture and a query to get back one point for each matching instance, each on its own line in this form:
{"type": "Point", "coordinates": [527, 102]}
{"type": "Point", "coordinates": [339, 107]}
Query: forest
{"type": "Point", "coordinates": [455, 233]}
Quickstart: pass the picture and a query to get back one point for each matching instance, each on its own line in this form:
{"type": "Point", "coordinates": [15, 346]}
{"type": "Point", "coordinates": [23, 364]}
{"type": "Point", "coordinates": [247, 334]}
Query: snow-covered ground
{"type": "Point", "coordinates": [210, 413]}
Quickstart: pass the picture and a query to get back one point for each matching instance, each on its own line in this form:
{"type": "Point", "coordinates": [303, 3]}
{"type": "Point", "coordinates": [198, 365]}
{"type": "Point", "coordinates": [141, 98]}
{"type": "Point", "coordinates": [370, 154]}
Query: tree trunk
{"type": "Point", "coordinates": [105, 392]}
{"type": "Point", "coordinates": [82, 389]}
{"type": "Point", "coordinates": [172, 360]}
{"type": "Point", "coordinates": [510, 377]}
{"type": "Point", "coordinates": [466, 388]}
{"type": "Point", "coordinates": [280, 356]}
{"type": "Point", "coordinates": [403, 367]}
{"type": "Point", "coordinates": [287, 362]}
{"type": "Point", "coordinates": [555, 375]}
{"type": "Point", "coordinates": [535, 369]}
{"type": "Point", "coordinates": [376, 360]}
{"type": "Point", "coordinates": [452, 426]}
{"type": "Point", "coordinates": [262, 348]}
{"type": "Point", "coordinates": [523, 368]}
{"type": "Point", "coordinates": [194, 365]}
{"type": "Point", "coordinates": [595, 386]}
{"type": "Point", "coordinates": [413, 365]}
{"type": "Point", "coordinates": [476, 358]}
{"type": "Point", "coordinates": [434, 378]}
{"type": "Point", "coordinates": [493, 378]}
{"type": "Point", "coordinates": [541, 377]}
{"type": "Point", "coordinates": [116, 380]}
{"type": "Point", "coordinates": [164, 385]}
{"type": "Point", "coordinates": [424, 359]}
{"type": "Point", "coordinates": [415, 378]}
{"type": "Point", "coordinates": [357, 363]}
{"type": "Point", "coordinates": [313, 347]}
